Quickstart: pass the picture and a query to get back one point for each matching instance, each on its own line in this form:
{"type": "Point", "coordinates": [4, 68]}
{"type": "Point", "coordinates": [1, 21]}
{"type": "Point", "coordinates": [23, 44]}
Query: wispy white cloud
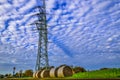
{"type": "Point", "coordinates": [91, 36]}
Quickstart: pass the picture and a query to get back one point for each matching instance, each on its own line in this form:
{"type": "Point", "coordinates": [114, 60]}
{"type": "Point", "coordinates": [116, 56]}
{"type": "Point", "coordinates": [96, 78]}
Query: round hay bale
{"type": "Point", "coordinates": [38, 74]}
{"type": "Point", "coordinates": [52, 72]}
{"type": "Point", "coordinates": [45, 73]}
{"type": "Point", "coordinates": [56, 72]}
{"type": "Point", "coordinates": [34, 75]}
{"type": "Point", "coordinates": [51, 67]}
{"type": "Point", "coordinates": [64, 71]}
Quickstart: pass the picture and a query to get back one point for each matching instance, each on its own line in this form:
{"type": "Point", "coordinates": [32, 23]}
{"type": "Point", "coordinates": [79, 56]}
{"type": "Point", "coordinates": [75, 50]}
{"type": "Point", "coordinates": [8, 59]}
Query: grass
{"type": "Point", "coordinates": [110, 73]}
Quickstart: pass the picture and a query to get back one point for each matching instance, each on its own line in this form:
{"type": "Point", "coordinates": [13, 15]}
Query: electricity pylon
{"type": "Point", "coordinates": [42, 54]}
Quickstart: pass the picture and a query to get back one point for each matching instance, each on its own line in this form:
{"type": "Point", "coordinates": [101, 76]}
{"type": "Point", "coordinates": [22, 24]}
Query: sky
{"type": "Point", "coordinates": [82, 33]}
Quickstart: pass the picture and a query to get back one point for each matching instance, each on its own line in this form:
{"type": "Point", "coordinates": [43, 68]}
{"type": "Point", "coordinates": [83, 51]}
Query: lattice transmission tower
{"type": "Point", "coordinates": [42, 54]}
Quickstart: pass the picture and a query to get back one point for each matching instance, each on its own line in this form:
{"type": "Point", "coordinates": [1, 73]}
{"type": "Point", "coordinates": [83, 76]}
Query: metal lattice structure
{"type": "Point", "coordinates": [42, 55]}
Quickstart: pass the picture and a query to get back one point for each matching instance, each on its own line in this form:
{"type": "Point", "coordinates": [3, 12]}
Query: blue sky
{"type": "Point", "coordinates": [89, 35]}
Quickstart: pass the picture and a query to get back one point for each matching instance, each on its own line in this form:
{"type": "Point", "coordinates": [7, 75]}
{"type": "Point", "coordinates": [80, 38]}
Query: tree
{"type": "Point", "coordinates": [104, 68]}
{"type": "Point", "coordinates": [9, 75]}
{"type": "Point", "coordinates": [20, 72]}
{"type": "Point", "coordinates": [79, 69]}
{"type": "Point", "coordinates": [28, 73]}
{"type": "Point", "coordinates": [1, 76]}
{"type": "Point", "coordinates": [17, 74]}
{"type": "Point", "coordinates": [6, 75]}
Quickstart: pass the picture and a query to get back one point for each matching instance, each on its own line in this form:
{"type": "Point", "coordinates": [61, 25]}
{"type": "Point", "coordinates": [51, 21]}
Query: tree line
{"type": "Point", "coordinates": [26, 73]}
